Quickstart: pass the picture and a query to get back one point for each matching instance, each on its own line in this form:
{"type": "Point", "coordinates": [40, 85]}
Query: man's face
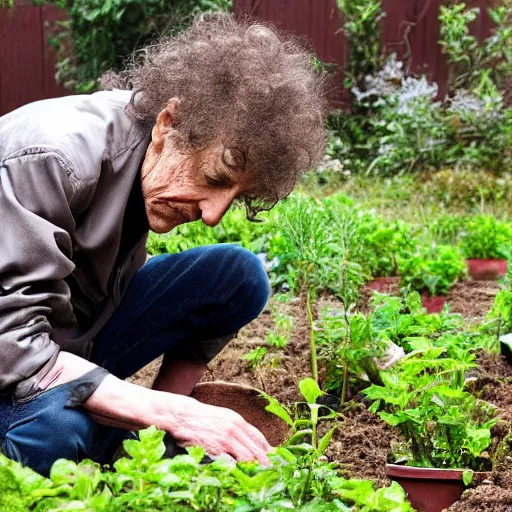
{"type": "Point", "coordinates": [180, 187]}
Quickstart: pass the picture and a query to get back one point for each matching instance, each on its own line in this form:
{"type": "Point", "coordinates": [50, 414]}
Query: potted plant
{"type": "Point", "coordinates": [445, 429]}
{"type": "Point", "coordinates": [379, 242]}
{"type": "Point", "coordinates": [486, 243]}
{"type": "Point", "coordinates": [432, 270]}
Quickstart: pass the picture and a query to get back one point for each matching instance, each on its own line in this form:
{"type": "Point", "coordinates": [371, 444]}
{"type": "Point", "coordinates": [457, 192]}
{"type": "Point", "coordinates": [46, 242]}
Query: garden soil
{"type": "Point", "coordinates": [362, 443]}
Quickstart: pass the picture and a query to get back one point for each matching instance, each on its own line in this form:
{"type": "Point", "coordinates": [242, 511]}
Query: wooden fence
{"type": "Point", "coordinates": [27, 61]}
{"type": "Point", "coordinates": [410, 28]}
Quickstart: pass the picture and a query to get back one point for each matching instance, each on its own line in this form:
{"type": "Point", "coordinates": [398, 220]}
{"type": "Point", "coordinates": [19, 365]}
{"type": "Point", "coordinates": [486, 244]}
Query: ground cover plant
{"type": "Point", "coordinates": [298, 478]}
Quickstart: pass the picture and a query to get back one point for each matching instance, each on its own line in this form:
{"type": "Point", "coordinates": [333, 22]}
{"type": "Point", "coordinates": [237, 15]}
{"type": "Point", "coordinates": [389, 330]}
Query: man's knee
{"type": "Point", "coordinates": [41, 438]}
{"type": "Point", "coordinates": [252, 281]}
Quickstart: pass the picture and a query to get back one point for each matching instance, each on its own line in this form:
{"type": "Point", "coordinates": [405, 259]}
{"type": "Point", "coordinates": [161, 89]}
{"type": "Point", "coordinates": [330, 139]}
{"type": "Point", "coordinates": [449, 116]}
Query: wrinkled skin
{"type": "Point", "coordinates": [183, 186]}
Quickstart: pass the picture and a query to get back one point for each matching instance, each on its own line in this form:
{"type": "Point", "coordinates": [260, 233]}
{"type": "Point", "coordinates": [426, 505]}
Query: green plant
{"type": "Point", "coordinates": [348, 345]}
{"type": "Point", "coordinates": [233, 228]}
{"type": "Point", "coordinates": [307, 253]}
{"type": "Point", "coordinates": [276, 337]}
{"type": "Point", "coordinates": [499, 319]}
{"type": "Point", "coordinates": [101, 35]}
{"type": "Point", "coordinates": [433, 268]}
{"type": "Point", "coordinates": [485, 237]}
{"type": "Point", "coordinates": [443, 425]}
{"type": "Point", "coordinates": [363, 32]}
{"type": "Point", "coordinates": [297, 478]}
{"type": "Point", "coordinates": [255, 357]}
{"type": "Point", "coordinates": [473, 62]}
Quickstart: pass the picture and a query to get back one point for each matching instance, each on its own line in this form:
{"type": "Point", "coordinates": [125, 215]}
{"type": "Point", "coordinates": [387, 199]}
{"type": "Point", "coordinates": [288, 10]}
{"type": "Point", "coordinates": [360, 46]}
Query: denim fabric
{"type": "Point", "coordinates": [188, 305]}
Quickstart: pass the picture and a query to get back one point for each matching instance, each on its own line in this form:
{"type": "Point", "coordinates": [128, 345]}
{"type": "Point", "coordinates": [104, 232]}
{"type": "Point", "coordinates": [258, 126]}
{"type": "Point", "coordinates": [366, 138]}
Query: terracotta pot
{"type": "Point", "coordinates": [428, 489]}
{"type": "Point", "coordinates": [383, 284]}
{"type": "Point", "coordinates": [486, 270]}
{"type": "Point", "coordinates": [247, 402]}
{"type": "Point", "coordinates": [433, 303]}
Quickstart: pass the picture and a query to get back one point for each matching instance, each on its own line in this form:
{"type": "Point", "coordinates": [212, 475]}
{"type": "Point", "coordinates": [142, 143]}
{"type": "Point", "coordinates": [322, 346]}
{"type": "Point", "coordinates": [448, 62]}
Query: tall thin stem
{"type": "Point", "coordinates": [344, 388]}
{"type": "Point", "coordinates": [312, 336]}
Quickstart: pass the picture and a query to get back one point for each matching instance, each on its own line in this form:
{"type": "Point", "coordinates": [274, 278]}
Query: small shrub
{"type": "Point", "coordinates": [433, 268]}
{"type": "Point", "coordinates": [443, 425]}
{"type": "Point", "coordinates": [484, 237]}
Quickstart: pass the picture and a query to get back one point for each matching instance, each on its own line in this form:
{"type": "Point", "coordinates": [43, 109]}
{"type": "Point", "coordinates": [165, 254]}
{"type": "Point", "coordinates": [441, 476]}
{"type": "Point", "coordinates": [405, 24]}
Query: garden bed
{"type": "Point", "coordinates": [363, 443]}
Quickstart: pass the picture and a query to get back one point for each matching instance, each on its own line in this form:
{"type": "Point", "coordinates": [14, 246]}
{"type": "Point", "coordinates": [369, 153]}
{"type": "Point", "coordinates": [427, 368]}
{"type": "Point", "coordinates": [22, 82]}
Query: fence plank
{"type": "Point", "coordinates": [410, 28]}
{"type": "Point", "coordinates": [49, 16]}
{"type": "Point", "coordinates": [21, 58]}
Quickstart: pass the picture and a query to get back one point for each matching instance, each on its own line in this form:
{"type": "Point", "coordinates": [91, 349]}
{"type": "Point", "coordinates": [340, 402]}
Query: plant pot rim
{"type": "Point", "coordinates": [485, 259]}
{"type": "Point", "coordinates": [414, 472]}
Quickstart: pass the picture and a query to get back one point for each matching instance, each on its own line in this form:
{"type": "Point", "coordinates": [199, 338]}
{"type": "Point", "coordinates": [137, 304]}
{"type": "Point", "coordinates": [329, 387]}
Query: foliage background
{"type": "Point", "coordinates": [101, 34]}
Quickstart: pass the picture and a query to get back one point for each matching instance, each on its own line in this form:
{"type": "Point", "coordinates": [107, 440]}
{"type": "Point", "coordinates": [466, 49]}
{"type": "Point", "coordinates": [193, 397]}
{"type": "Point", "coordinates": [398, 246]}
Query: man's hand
{"type": "Point", "coordinates": [219, 431]}
{"type": "Point", "coordinates": [121, 404]}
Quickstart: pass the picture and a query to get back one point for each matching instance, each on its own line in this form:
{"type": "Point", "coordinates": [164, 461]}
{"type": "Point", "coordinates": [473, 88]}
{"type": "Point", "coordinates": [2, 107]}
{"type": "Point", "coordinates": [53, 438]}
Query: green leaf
{"type": "Point", "coordinates": [276, 408]}
{"type": "Point", "coordinates": [467, 476]}
{"type": "Point", "coordinates": [326, 439]}
{"type": "Point", "coordinates": [310, 390]}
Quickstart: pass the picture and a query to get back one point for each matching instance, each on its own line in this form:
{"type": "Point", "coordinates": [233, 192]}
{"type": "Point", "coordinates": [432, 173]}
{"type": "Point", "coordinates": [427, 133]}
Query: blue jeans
{"type": "Point", "coordinates": [186, 305]}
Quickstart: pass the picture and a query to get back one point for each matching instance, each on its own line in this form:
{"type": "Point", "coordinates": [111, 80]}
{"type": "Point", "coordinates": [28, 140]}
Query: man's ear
{"type": "Point", "coordinates": [164, 123]}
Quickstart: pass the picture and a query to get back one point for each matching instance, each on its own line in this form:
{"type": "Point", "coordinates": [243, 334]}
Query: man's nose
{"type": "Point", "coordinates": [213, 209]}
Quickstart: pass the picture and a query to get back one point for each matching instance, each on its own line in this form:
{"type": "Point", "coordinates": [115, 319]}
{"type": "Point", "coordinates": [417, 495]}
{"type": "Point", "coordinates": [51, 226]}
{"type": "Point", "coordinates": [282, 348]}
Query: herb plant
{"type": "Point", "coordinates": [433, 268]}
{"type": "Point", "coordinates": [485, 237]}
{"type": "Point", "coordinates": [444, 426]}
{"type": "Point", "coordinates": [348, 345]}
{"type": "Point", "coordinates": [297, 479]}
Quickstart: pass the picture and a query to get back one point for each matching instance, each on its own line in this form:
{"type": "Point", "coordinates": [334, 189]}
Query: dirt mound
{"type": "Point", "coordinates": [473, 299]}
{"type": "Point", "coordinates": [361, 445]}
{"type": "Point", "coordinates": [485, 498]}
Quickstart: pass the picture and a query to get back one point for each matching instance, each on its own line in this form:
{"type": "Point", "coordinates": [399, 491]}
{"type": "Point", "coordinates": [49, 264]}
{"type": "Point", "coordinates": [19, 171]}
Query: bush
{"type": "Point", "coordinates": [101, 35]}
{"type": "Point", "coordinates": [433, 268]}
{"type": "Point", "coordinates": [485, 237]}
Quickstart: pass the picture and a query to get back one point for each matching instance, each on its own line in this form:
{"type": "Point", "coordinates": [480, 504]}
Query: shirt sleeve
{"type": "Point", "coordinates": [36, 223]}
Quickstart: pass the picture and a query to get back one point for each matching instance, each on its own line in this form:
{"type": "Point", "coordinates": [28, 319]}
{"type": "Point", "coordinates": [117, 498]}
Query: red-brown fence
{"type": "Point", "coordinates": [410, 28]}
{"type": "Point", "coordinates": [27, 62]}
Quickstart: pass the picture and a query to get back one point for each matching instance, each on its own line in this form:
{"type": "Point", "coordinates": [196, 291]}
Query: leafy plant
{"type": "Point", "coordinates": [485, 237]}
{"type": "Point", "coordinates": [472, 62]}
{"type": "Point", "coordinates": [499, 319]}
{"type": "Point", "coordinates": [433, 268]}
{"type": "Point", "coordinates": [101, 35]}
{"type": "Point", "coordinates": [297, 479]}
{"type": "Point", "coordinates": [363, 32]}
{"type": "Point", "coordinates": [348, 345]}
{"type": "Point", "coordinates": [444, 426]}
{"type": "Point", "coordinates": [233, 228]}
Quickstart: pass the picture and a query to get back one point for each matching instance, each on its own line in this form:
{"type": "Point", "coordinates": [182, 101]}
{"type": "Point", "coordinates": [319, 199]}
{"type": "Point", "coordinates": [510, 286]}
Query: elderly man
{"type": "Point", "coordinates": [225, 111]}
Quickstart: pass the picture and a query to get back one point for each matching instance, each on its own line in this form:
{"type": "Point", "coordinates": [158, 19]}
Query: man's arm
{"type": "Point", "coordinates": [120, 404]}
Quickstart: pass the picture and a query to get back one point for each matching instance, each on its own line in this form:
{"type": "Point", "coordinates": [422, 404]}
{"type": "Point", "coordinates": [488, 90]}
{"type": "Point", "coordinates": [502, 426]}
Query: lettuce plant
{"type": "Point", "coordinates": [297, 479]}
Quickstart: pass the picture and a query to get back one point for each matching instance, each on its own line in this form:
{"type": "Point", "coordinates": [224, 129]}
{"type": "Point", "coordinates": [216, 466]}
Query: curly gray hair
{"type": "Point", "coordinates": [239, 82]}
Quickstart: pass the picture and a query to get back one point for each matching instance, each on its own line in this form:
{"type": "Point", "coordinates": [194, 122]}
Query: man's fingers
{"type": "Point", "coordinates": [258, 438]}
{"type": "Point", "coordinates": [248, 452]}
